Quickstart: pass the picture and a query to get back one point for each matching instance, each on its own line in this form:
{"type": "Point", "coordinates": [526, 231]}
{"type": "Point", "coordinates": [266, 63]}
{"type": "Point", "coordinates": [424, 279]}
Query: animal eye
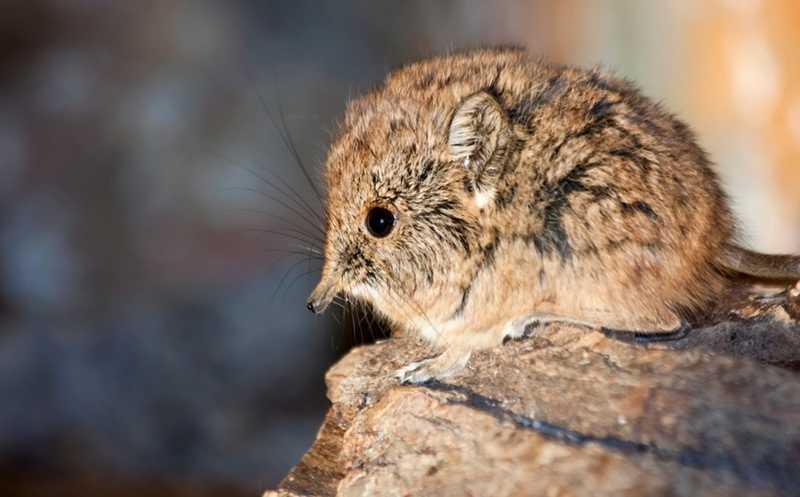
{"type": "Point", "coordinates": [380, 222]}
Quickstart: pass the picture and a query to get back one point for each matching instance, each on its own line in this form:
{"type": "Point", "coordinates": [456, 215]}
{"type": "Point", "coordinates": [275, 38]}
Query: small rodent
{"type": "Point", "coordinates": [473, 194]}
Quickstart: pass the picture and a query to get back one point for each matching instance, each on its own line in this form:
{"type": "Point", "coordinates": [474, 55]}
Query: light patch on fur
{"type": "Point", "coordinates": [482, 198]}
{"type": "Point", "coordinates": [365, 292]}
{"type": "Point", "coordinates": [425, 330]}
{"type": "Point", "coordinates": [426, 327]}
{"type": "Point", "coordinates": [432, 331]}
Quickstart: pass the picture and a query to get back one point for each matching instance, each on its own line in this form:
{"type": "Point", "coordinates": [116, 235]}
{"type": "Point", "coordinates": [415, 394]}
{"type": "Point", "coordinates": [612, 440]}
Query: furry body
{"type": "Point", "coordinates": [522, 192]}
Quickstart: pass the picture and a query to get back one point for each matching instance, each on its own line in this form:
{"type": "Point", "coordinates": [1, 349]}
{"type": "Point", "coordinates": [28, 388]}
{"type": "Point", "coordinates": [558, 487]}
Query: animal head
{"type": "Point", "coordinates": [407, 179]}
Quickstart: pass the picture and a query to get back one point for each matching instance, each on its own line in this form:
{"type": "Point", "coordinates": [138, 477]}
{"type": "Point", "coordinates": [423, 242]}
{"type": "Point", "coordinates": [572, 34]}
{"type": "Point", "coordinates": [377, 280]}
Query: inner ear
{"type": "Point", "coordinates": [479, 137]}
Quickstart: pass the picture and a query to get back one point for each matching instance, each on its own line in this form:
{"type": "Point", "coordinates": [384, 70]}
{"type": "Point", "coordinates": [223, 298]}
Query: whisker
{"type": "Point", "coordinates": [298, 277]}
{"type": "Point", "coordinates": [280, 202]}
{"type": "Point", "coordinates": [306, 237]}
{"type": "Point", "coordinates": [401, 308]}
{"type": "Point", "coordinates": [280, 233]}
{"type": "Point", "coordinates": [297, 198]}
{"type": "Point", "coordinates": [378, 322]}
{"type": "Point", "coordinates": [352, 322]}
{"type": "Point", "coordinates": [364, 318]}
{"type": "Point", "coordinates": [356, 323]}
{"type": "Point", "coordinates": [286, 274]}
{"type": "Point", "coordinates": [289, 142]}
{"type": "Point", "coordinates": [337, 303]}
{"type": "Point", "coordinates": [340, 303]}
{"type": "Point", "coordinates": [286, 138]}
{"type": "Point", "coordinates": [316, 213]}
{"type": "Point", "coordinates": [311, 255]}
{"type": "Point", "coordinates": [337, 319]}
{"type": "Point", "coordinates": [415, 306]}
{"type": "Point", "coordinates": [357, 312]}
{"type": "Point", "coordinates": [287, 221]}
{"type": "Point", "coordinates": [425, 316]}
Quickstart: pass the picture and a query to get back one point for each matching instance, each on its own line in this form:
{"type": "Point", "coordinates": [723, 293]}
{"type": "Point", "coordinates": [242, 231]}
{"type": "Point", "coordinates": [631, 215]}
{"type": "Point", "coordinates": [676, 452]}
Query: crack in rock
{"type": "Point", "coordinates": [777, 467]}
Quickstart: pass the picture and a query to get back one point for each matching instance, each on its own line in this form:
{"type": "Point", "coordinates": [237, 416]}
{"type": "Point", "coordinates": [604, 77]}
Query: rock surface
{"type": "Point", "coordinates": [570, 411]}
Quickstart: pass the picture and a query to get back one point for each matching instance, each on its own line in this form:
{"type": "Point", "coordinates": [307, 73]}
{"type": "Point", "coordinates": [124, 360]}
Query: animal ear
{"type": "Point", "coordinates": [479, 137]}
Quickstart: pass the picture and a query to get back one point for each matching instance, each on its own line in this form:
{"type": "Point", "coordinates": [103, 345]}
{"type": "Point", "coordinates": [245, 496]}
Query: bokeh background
{"type": "Point", "coordinates": [153, 336]}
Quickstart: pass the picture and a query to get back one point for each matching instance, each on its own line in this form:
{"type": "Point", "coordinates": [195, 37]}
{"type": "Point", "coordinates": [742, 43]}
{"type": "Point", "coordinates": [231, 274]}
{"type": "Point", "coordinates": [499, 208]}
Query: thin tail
{"type": "Point", "coordinates": [768, 266]}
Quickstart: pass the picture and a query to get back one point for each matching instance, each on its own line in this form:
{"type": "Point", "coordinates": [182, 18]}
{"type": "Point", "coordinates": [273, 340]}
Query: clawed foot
{"type": "Point", "coordinates": [414, 372]}
{"type": "Point", "coordinates": [441, 367]}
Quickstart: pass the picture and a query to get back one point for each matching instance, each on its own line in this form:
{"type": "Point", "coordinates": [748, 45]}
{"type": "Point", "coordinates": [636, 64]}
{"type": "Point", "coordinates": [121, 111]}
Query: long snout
{"type": "Point", "coordinates": [321, 297]}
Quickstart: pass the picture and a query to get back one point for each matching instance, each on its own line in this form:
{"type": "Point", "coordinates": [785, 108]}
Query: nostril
{"type": "Point", "coordinates": [310, 306]}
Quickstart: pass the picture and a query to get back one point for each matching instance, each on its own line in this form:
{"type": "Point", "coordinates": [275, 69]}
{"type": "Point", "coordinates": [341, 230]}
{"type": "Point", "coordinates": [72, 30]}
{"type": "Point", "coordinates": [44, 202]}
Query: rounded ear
{"type": "Point", "coordinates": [479, 137]}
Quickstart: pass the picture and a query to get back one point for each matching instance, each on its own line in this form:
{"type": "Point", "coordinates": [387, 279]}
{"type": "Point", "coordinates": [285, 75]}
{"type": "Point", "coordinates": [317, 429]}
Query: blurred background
{"type": "Point", "coordinates": [153, 335]}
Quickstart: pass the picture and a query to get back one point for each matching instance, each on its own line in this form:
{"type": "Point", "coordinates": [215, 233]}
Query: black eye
{"type": "Point", "coordinates": [380, 222]}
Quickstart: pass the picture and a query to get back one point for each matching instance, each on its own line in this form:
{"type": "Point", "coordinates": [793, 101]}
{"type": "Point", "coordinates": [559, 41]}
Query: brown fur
{"type": "Point", "coordinates": [522, 190]}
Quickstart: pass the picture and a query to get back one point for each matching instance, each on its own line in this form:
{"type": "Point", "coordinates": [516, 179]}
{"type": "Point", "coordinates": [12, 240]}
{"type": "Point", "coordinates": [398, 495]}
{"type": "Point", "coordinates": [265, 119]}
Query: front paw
{"type": "Point", "coordinates": [444, 366]}
{"type": "Point", "coordinates": [416, 372]}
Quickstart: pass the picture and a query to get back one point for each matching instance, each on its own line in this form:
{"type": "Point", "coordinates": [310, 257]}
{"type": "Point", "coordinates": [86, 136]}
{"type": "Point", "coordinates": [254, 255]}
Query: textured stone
{"type": "Point", "coordinates": [571, 411]}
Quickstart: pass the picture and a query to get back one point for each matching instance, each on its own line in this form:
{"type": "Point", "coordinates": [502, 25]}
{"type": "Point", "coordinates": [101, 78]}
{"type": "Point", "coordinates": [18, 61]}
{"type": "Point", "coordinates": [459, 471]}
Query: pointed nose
{"type": "Point", "coordinates": [321, 297]}
{"type": "Point", "coordinates": [315, 306]}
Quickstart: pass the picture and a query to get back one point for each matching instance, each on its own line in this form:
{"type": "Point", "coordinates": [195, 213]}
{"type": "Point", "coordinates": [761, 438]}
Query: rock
{"type": "Point", "coordinates": [571, 411]}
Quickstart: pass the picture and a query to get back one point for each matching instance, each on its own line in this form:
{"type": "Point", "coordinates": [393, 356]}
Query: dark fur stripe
{"type": "Point", "coordinates": [553, 237]}
{"type": "Point", "coordinates": [487, 260]}
{"type": "Point", "coordinates": [522, 111]}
